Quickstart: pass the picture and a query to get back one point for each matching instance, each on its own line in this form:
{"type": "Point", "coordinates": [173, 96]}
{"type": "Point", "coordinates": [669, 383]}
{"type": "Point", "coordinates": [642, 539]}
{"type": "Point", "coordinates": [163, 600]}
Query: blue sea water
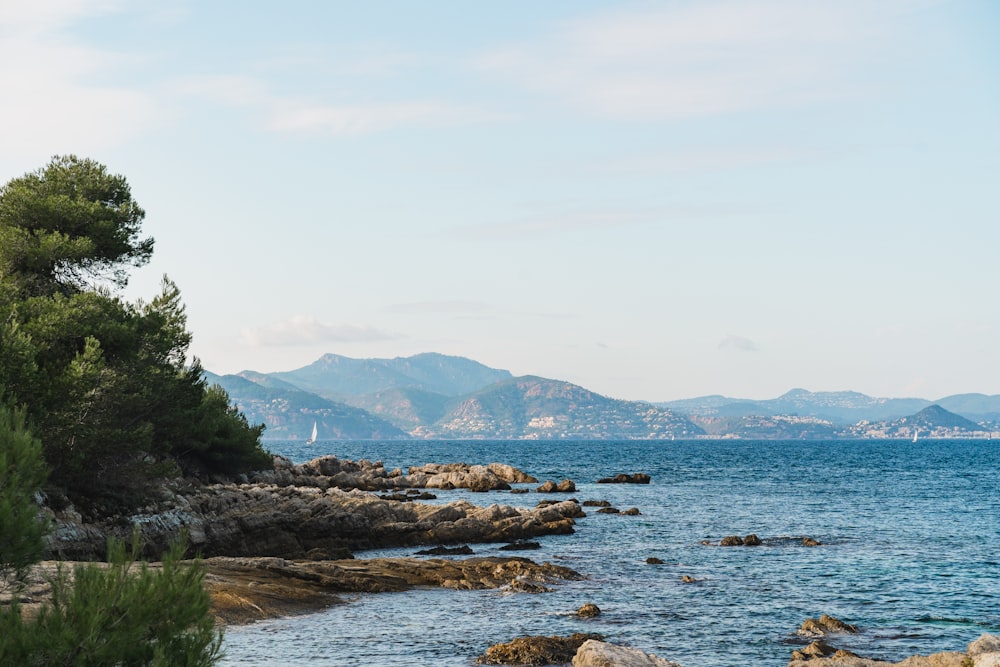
{"type": "Point", "coordinates": [910, 552]}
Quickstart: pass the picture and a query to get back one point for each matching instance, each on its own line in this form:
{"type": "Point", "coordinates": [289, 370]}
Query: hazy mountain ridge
{"type": "Point", "coordinates": [289, 414]}
{"type": "Point", "coordinates": [421, 396]}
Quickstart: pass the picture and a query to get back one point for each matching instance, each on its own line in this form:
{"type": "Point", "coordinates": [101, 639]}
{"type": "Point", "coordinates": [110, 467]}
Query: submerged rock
{"type": "Point", "coordinates": [623, 478]}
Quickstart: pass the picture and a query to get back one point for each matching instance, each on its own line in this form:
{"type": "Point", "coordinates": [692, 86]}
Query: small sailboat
{"type": "Point", "coordinates": [312, 438]}
{"type": "Point", "coordinates": [914, 435]}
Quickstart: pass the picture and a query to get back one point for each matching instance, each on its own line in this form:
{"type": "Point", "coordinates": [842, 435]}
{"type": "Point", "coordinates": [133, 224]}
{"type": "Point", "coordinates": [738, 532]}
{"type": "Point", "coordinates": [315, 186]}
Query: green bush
{"type": "Point", "coordinates": [124, 613]}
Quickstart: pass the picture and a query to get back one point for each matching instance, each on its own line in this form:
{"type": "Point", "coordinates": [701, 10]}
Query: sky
{"type": "Point", "coordinates": [652, 199]}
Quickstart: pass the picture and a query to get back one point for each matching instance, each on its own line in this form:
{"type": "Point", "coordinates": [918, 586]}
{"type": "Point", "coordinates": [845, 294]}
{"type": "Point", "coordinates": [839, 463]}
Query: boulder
{"type": "Point", "coordinates": [632, 511]}
{"type": "Point", "coordinates": [596, 653]}
{"type": "Point", "coordinates": [810, 542]}
{"type": "Point", "coordinates": [731, 541]}
{"type": "Point", "coordinates": [589, 610]}
{"type": "Point", "coordinates": [652, 560]}
{"type": "Point", "coordinates": [464, 550]}
{"type": "Point", "coordinates": [609, 510]}
{"type": "Point", "coordinates": [521, 546]}
{"type": "Point", "coordinates": [985, 651]}
{"type": "Point", "coordinates": [536, 650]}
{"type": "Point", "coordinates": [596, 503]}
{"type": "Point", "coordinates": [565, 486]}
{"type": "Point", "coordinates": [751, 540]}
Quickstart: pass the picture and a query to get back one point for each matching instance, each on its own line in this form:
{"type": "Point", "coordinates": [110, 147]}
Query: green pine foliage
{"type": "Point", "coordinates": [107, 384]}
{"type": "Point", "coordinates": [124, 613]}
{"type": "Point", "coordinates": [22, 472]}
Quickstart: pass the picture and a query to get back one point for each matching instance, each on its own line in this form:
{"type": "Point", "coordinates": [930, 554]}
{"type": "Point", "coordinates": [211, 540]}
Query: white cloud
{"type": "Point", "coordinates": [703, 58]}
{"type": "Point", "coordinates": [740, 343]}
{"type": "Point", "coordinates": [49, 103]}
{"type": "Point", "coordinates": [302, 330]}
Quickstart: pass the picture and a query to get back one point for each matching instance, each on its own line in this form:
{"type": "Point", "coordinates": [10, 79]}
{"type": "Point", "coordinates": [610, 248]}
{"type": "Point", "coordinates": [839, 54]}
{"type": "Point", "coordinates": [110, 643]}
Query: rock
{"type": "Point", "coordinates": [609, 510]}
{"type": "Point", "coordinates": [632, 511]}
{"type": "Point", "coordinates": [810, 542]}
{"type": "Point", "coordinates": [622, 478]}
{"type": "Point", "coordinates": [290, 521]}
{"type": "Point", "coordinates": [565, 486]}
{"type": "Point", "coordinates": [688, 579]}
{"type": "Point", "coordinates": [653, 561]}
{"type": "Point", "coordinates": [589, 610]}
{"type": "Point", "coordinates": [464, 550]}
{"type": "Point", "coordinates": [985, 651]}
{"type": "Point", "coordinates": [248, 589]}
{"type": "Point", "coordinates": [520, 490]}
{"type": "Point", "coordinates": [536, 650]}
{"type": "Point", "coordinates": [596, 503]}
{"type": "Point", "coordinates": [596, 653]}
{"type": "Point", "coordinates": [731, 541]}
{"type": "Point", "coordinates": [751, 540]}
{"type": "Point", "coordinates": [824, 625]}
{"type": "Point", "coordinates": [521, 546]}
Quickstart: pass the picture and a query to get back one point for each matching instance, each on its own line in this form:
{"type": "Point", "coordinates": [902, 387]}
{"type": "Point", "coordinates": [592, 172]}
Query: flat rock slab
{"type": "Point", "coordinates": [249, 589]}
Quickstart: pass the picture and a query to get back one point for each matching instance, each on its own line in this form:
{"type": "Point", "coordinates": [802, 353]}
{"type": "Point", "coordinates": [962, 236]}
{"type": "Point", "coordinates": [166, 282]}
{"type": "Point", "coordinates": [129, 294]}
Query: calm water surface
{"type": "Point", "coordinates": [910, 552]}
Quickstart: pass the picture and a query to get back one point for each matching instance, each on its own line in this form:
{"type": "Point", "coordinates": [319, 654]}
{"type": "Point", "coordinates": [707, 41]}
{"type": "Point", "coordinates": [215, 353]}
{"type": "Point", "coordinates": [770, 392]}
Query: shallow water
{"type": "Point", "coordinates": [910, 552]}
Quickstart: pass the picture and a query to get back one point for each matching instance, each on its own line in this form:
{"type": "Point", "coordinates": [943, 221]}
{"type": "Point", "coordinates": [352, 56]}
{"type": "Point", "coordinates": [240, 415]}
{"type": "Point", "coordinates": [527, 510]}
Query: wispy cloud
{"type": "Point", "coordinates": [49, 102]}
{"type": "Point", "coordinates": [437, 307]}
{"type": "Point", "coordinates": [694, 59]}
{"type": "Point", "coordinates": [739, 343]}
{"type": "Point", "coordinates": [302, 330]}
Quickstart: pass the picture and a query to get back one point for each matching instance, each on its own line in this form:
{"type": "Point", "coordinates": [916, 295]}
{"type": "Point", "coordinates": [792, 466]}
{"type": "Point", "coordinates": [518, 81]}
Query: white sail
{"type": "Point", "coordinates": [312, 438]}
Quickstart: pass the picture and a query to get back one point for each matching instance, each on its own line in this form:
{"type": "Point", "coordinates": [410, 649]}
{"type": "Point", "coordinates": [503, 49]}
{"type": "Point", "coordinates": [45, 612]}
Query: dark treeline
{"type": "Point", "coordinates": [105, 384]}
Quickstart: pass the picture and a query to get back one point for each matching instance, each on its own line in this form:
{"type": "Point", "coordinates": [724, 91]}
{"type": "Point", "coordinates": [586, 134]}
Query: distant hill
{"type": "Point", "coordinates": [440, 396]}
{"type": "Point", "coordinates": [334, 376]}
{"type": "Point", "coordinates": [838, 407]}
{"type": "Point", "coordinates": [977, 407]}
{"type": "Point", "coordinates": [534, 407]}
{"type": "Point", "coordinates": [931, 422]}
{"type": "Point", "coordinates": [289, 414]}
{"type": "Point", "coordinates": [404, 407]}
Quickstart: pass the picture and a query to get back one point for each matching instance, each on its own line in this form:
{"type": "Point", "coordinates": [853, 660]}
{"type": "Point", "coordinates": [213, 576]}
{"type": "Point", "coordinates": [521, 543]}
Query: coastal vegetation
{"type": "Point", "coordinates": [98, 404]}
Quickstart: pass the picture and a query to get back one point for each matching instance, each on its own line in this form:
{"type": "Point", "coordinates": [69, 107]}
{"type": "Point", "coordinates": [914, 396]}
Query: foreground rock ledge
{"type": "Point", "coordinates": [250, 589]}
{"type": "Point", "coordinates": [244, 590]}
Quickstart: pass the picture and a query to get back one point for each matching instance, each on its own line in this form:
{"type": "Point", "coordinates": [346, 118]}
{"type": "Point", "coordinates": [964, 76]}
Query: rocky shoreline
{"type": "Point", "coordinates": [280, 542]}
{"type": "Point", "coordinates": [318, 510]}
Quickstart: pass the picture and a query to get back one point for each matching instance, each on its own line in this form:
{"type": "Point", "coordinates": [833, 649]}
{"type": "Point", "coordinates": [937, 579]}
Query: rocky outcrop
{"type": "Point", "coordinates": [330, 472]}
{"type": "Point", "coordinates": [824, 625]}
{"type": "Point", "coordinates": [291, 521]}
{"type": "Point", "coordinates": [595, 653]}
{"type": "Point", "coordinates": [983, 652]}
{"type": "Point", "coordinates": [623, 478]}
{"type": "Point", "coordinates": [537, 650]}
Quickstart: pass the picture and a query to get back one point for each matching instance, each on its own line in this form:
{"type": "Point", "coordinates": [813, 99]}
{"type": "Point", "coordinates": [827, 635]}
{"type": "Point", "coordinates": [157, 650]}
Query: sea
{"type": "Point", "coordinates": [909, 553]}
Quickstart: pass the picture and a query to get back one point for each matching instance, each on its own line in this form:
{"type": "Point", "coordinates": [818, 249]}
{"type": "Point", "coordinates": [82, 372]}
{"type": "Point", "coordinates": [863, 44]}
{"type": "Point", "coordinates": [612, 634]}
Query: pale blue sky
{"type": "Point", "coordinates": [655, 200]}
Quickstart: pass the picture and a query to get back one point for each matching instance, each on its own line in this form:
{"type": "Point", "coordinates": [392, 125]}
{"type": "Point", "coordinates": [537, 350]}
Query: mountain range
{"type": "Point", "coordinates": [439, 396]}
